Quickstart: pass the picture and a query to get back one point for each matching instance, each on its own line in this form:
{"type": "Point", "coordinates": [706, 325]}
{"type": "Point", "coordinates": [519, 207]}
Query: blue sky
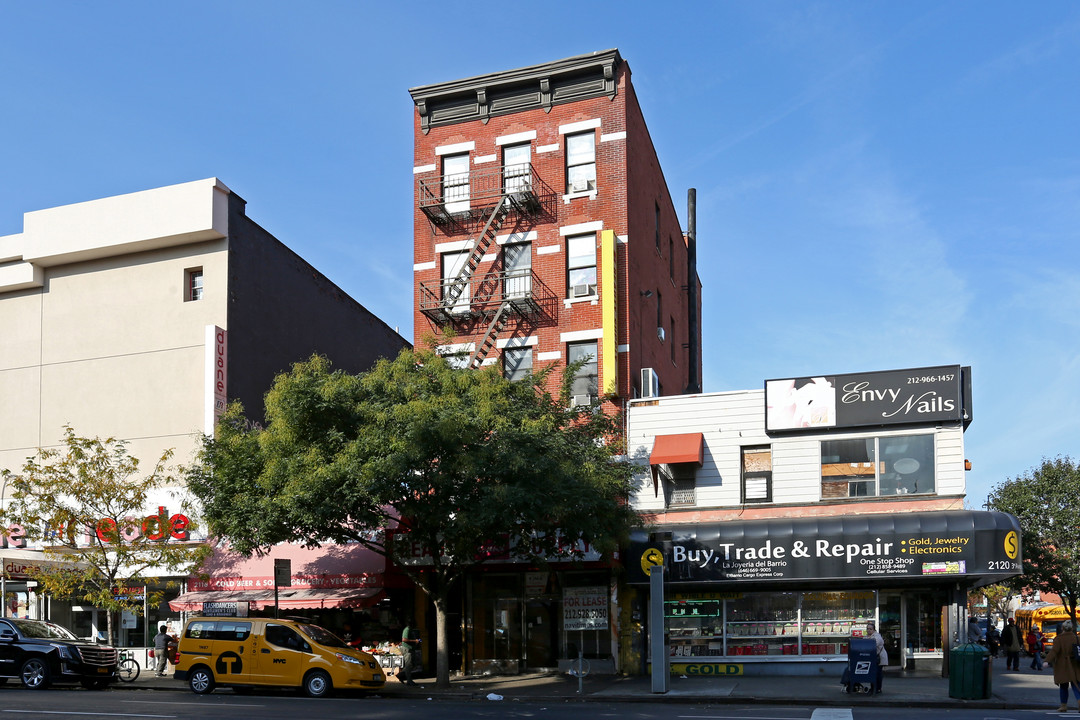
{"type": "Point", "coordinates": [880, 185]}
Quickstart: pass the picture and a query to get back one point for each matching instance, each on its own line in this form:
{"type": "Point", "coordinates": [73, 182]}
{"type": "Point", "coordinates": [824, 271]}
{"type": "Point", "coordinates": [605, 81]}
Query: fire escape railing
{"type": "Point", "coordinates": [524, 294]}
{"type": "Point", "coordinates": [464, 198]}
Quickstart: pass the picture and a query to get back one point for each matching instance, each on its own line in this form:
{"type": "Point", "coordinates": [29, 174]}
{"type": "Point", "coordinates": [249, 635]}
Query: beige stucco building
{"type": "Point", "coordinates": [138, 316]}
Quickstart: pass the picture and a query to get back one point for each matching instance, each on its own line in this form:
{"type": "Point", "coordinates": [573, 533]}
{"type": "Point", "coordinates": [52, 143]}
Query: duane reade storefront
{"type": "Point", "coordinates": [785, 518]}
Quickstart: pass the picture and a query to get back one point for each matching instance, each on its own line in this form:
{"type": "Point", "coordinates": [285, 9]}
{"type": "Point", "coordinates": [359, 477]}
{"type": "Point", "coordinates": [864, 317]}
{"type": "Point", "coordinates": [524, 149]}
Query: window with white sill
{"type": "Point", "coordinates": [581, 162]}
{"type": "Point", "coordinates": [581, 266]}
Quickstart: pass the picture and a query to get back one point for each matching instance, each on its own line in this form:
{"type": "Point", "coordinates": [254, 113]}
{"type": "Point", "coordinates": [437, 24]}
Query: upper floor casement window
{"type": "Point", "coordinates": [757, 475]}
{"type": "Point", "coordinates": [671, 259]}
{"type": "Point", "coordinates": [656, 226]}
{"type": "Point", "coordinates": [457, 296]}
{"type": "Point", "coordinates": [193, 284]}
{"type": "Point", "coordinates": [455, 180]}
{"type": "Point", "coordinates": [517, 271]}
{"type": "Point", "coordinates": [586, 384]}
{"type": "Point", "coordinates": [581, 266]}
{"type": "Point", "coordinates": [581, 162]}
{"type": "Point", "coordinates": [680, 485]}
{"type": "Point", "coordinates": [517, 168]}
{"type": "Point", "coordinates": [517, 363]}
{"type": "Point", "coordinates": [877, 466]}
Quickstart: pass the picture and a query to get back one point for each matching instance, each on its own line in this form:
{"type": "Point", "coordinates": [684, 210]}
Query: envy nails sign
{"type": "Point", "coordinates": [917, 396]}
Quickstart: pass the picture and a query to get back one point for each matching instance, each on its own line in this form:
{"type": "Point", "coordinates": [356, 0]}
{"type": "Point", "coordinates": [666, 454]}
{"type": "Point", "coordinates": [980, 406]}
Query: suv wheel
{"type": "Point", "coordinates": [201, 681]}
{"type": "Point", "coordinates": [35, 673]}
{"type": "Point", "coordinates": [317, 684]}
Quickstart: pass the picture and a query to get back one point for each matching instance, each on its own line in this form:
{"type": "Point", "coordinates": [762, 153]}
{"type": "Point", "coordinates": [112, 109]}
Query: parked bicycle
{"type": "Point", "coordinates": [128, 668]}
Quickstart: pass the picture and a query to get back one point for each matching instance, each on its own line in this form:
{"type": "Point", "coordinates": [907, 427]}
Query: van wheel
{"type": "Point", "coordinates": [201, 681]}
{"type": "Point", "coordinates": [317, 684]}
{"type": "Point", "coordinates": [35, 674]}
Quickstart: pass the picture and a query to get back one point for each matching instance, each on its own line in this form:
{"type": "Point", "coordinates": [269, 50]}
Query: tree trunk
{"type": "Point", "coordinates": [109, 628]}
{"type": "Point", "coordinates": [442, 652]}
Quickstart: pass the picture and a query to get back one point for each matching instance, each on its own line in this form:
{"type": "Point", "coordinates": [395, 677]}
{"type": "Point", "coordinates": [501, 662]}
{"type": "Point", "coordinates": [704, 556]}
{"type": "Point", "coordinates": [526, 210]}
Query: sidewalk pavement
{"type": "Point", "coordinates": [1026, 689]}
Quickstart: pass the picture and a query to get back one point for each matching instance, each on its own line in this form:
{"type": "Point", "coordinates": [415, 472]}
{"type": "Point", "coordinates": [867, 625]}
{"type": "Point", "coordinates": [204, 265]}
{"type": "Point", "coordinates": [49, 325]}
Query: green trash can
{"type": "Point", "coordinates": [969, 672]}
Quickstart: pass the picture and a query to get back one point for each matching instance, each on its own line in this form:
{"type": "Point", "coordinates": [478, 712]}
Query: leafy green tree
{"type": "Point", "coordinates": [425, 464]}
{"type": "Point", "coordinates": [1045, 502]}
{"type": "Point", "coordinates": [86, 504]}
{"type": "Point", "coordinates": [999, 597]}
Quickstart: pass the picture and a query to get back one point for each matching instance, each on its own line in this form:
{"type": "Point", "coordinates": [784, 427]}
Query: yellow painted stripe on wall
{"type": "Point", "coordinates": [609, 369]}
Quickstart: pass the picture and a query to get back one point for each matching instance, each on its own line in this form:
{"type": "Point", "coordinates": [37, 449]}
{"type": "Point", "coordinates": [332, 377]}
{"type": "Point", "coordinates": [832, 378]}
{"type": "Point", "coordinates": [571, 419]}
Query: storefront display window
{"type": "Point", "coordinates": [763, 624]}
{"type": "Point", "coordinates": [767, 624]}
{"type": "Point", "coordinates": [830, 618]}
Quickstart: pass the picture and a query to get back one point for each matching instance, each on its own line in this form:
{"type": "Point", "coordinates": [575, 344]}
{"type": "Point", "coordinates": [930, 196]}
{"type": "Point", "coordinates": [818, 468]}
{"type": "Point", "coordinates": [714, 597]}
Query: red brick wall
{"type": "Point", "coordinates": [629, 183]}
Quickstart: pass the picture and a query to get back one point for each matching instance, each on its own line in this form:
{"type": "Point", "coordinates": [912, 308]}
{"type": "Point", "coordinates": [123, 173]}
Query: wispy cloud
{"type": "Point", "coordinates": [1025, 56]}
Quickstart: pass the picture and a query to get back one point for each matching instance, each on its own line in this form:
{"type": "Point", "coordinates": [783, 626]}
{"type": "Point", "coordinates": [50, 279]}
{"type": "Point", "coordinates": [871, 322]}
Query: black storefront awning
{"type": "Point", "coordinates": [871, 550]}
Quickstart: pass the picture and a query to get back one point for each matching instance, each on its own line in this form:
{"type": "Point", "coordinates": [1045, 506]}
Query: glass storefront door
{"type": "Point", "coordinates": [891, 626]}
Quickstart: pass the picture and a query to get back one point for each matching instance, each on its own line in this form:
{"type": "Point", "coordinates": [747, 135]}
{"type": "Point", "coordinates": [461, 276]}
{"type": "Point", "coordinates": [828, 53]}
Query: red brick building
{"type": "Point", "coordinates": [544, 232]}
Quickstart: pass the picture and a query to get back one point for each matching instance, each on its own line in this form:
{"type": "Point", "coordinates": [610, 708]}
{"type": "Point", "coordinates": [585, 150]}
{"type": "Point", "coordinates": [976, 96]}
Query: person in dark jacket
{"type": "Point", "coordinates": [1066, 670]}
{"type": "Point", "coordinates": [1013, 643]}
{"type": "Point", "coordinates": [993, 639]}
{"type": "Point", "coordinates": [161, 651]}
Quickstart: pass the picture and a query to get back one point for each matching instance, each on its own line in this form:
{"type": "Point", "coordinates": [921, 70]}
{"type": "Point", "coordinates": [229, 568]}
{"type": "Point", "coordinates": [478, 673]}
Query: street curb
{"type": "Point", "coordinates": [847, 701]}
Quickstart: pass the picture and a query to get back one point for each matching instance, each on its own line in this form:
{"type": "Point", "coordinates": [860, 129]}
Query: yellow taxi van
{"type": "Point", "coordinates": [244, 653]}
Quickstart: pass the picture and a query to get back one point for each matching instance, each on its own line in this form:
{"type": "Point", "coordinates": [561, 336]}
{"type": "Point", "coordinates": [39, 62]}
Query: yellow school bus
{"type": "Point", "coordinates": [1045, 618]}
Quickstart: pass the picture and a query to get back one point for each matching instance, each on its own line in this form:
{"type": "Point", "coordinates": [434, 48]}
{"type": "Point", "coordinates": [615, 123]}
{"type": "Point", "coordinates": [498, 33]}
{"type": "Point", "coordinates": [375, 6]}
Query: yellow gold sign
{"type": "Point", "coordinates": [1012, 546]}
{"type": "Point", "coordinates": [651, 558]}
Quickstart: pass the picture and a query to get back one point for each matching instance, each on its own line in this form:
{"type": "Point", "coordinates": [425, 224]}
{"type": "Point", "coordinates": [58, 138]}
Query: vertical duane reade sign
{"type": "Point", "coordinates": [894, 397]}
{"type": "Point", "coordinates": [216, 378]}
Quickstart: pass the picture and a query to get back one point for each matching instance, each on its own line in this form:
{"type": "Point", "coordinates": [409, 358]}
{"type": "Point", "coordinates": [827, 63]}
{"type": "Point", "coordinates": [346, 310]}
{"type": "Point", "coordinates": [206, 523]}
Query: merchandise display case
{"type": "Point", "coordinates": [767, 624]}
{"type": "Point", "coordinates": [763, 624]}
{"type": "Point", "coordinates": [829, 619]}
{"type": "Point", "coordinates": [695, 627]}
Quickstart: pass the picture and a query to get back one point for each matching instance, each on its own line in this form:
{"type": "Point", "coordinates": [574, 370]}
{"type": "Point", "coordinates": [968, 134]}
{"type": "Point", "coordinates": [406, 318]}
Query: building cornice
{"type": "Point", "coordinates": [528, 88]}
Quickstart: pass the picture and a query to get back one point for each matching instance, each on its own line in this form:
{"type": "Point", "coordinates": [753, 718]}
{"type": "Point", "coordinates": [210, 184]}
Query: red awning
{"type": "Point", "coordinates": [287, 598]}
{"type": "Point", "coordinates": [671, 449]}
{"type": "Point", "coordinates": [328, 576]}
{"type": "Point", "coordinates": [327, 567]}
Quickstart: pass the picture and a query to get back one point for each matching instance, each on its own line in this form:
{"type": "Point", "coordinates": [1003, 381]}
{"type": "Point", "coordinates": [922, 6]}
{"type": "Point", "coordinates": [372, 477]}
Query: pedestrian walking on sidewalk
{"type": "Point", "coordinates": [993, 639]}
{"type": "Point", "coordinates": [1012, 644]}
{"type": "Point", "coordinates": [409, 641]}
{"type": "Point", "coordinates": [883, 657]}
{"type": "Point", "coordinates": [161, 651]}
{"type": "Point", "coordinates": [974, 632]}
{"type": "Point", "coordinates": [1066, 670]}
{"type": "Point", "coordinates": [1034, 643]}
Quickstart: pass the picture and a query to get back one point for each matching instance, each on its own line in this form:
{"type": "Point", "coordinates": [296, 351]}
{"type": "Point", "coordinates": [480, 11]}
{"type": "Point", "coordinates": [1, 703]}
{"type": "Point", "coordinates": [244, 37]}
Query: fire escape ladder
{"type": "Point", "coordinates": [483, 242]}
{"type": "Point", "coordinates": [498, 322]}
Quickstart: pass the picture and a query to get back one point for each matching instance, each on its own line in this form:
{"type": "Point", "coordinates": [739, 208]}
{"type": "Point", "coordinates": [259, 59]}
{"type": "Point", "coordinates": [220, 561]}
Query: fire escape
{"type": "Point", "coordinates": [484, 202]}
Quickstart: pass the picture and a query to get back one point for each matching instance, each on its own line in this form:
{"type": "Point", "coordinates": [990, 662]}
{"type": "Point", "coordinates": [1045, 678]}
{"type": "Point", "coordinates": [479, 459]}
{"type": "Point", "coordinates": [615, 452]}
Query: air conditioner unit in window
{"type": "Point", "coordinates": [581, 291]}
{"type": "Point", "coordinates": [650, 383]}
{"type": "Point", "coordinates": [580, 400]}
{"type": "Point", "coordinates": [580, 186]}
{"type": "Point", "coordinates": [660, 334]}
